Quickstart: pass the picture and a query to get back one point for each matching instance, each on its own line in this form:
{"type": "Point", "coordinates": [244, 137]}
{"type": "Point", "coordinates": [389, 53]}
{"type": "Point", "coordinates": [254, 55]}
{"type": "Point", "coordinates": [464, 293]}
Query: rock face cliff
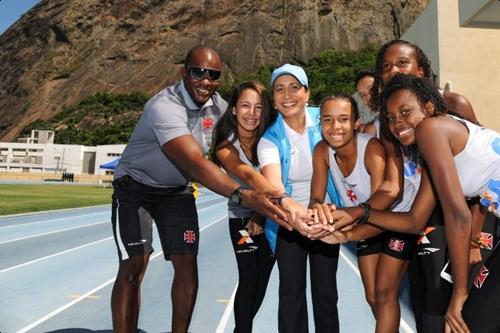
{"type": "Point", "coordinates": [62, 51]}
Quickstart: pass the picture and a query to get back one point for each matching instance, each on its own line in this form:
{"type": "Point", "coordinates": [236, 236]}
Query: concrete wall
{"type": "Point", "coordinates": [104, 181]}
{"type": "Point", "coordinates": [424, 33]}
{"type": "Point", "coordinates": [105, 154]}
{"type": "Point", "coordinates": [479, 13]}
{"type": "Point", "coordinates": [467, 57]}
{"type": "Point", "coordinates": [47, 158]}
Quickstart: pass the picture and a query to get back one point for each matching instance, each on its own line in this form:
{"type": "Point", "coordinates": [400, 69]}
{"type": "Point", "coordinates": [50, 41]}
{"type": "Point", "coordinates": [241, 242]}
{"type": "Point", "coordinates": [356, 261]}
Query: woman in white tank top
{"type": "Point", "coordinates": [451, 149]}
{"type": "Point", "coordinates": [356, 163]}
{"type": "Point", "coordinates": [399, 56]}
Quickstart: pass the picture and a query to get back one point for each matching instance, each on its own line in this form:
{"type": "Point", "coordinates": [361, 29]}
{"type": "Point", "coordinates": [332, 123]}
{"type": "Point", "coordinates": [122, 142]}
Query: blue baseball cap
{"type": "Point", "coordinates": [287, 69]}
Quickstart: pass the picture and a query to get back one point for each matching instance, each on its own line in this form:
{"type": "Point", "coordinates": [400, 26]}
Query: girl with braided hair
{"type": "Point", "coordinates": [447, 146]}
{"type": "Point", "coordinates": [400, 56]}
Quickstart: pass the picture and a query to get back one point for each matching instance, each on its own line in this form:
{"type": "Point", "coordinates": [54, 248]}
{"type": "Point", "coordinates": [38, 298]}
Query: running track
{"type": "Point", "coordinates": [57, 270]}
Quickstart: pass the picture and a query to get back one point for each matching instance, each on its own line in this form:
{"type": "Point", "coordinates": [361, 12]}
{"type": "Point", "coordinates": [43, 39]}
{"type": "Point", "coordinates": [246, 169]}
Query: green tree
{"type": "Point", "coordinates": [106, 118]}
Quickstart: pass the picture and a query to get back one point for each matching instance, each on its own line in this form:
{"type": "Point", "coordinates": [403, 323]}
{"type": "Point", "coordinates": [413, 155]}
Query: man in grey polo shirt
{"type": "Point", "coordinates": [152, 182]}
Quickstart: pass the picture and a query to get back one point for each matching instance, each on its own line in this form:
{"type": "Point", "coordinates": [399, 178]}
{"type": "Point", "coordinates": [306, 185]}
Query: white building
{"type": "Point", "coordinates": [105, 154]}
{"type": "Point", "coordinates": [39, 136]}
{"type": "Point", "coordinates": [461, 38]}
{"type": "Point", "coordinates": [55, 158]}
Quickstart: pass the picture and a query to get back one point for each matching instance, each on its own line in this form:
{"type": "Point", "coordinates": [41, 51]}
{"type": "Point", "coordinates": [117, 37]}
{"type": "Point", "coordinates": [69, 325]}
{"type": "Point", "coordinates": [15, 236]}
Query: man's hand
{"type": "Point", "coordinates": [261, 202]}
{"type": "Point", "coordinates": [454, 321]}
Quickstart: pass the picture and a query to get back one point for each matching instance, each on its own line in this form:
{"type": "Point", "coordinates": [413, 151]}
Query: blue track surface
{"type": "Point", "coordinates": [57, 271]}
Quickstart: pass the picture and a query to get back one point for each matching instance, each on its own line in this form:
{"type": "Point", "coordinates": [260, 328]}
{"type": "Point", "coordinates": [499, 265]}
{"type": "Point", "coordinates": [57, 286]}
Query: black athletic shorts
{"type": "Point", "coordinates": [480, 310]}
{"type": "Point", "coordinates": [372, 245]}
{"type": "Point", "coordinates": [135, 207]}
{"type": "Point", "coordinates": [432, 256]}
{"type": "Point", "coordinates": [396, 245]}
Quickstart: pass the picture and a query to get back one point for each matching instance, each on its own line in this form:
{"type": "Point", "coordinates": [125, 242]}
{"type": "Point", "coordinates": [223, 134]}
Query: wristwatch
{"type": "Point", "coordinates": [235, 196]}
{"type": "Point", "coordinates": [366, 213]}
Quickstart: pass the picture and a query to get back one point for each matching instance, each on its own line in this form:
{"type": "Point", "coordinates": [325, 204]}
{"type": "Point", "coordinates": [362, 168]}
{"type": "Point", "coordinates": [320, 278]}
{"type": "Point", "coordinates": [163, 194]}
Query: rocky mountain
{"type": "Point", "coordinates": [64, 50]}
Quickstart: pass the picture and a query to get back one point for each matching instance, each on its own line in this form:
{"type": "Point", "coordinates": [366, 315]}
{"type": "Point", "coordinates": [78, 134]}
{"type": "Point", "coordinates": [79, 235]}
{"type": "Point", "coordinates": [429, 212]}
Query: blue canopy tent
{"type": "Point", "coordinates": [111, 165]}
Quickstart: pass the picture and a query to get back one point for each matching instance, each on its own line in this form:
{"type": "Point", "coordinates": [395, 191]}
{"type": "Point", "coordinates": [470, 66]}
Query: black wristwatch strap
{"type": "Point", "coordinates": [366, 213]}
{"type": "Point", "coordinates": [235, 196]}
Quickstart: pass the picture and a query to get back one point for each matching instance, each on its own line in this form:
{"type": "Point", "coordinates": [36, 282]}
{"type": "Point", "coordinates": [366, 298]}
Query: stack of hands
{"type": "Point", "coordinates": [320, 221]}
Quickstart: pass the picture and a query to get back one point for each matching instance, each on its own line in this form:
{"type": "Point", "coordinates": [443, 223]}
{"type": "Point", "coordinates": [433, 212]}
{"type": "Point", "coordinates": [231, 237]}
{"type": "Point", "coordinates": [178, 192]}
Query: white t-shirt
{"type": "Point", "coordinates": [300, 173]}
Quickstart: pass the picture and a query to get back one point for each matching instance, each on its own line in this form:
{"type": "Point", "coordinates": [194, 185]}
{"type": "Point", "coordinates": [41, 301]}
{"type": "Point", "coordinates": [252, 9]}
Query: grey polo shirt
{"type": "Point", "coordinates": [169, 114]}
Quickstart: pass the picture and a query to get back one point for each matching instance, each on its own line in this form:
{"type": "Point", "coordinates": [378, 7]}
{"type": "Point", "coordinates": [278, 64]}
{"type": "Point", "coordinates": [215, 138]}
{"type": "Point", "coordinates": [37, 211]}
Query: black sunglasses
{"type": "Point", "coordinates": [198, 73]}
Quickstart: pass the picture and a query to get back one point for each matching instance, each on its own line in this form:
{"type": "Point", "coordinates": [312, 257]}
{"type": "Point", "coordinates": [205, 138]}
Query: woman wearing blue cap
{"type": "Point", "coordinates": [285, 156]}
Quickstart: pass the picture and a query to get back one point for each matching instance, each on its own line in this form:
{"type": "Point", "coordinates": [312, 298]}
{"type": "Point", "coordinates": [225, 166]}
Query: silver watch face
{"type": "Point", "coordinates": [236, 197]}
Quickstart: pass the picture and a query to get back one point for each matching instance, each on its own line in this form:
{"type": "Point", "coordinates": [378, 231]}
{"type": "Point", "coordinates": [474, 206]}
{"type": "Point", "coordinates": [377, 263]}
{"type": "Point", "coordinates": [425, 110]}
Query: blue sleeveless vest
{"type": "Point", "coordinates": [276, 134]}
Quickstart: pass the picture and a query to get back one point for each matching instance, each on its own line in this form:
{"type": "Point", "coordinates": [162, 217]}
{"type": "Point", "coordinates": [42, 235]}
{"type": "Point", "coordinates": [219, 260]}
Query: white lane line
{"type": "Point", "coordinates": [350, 263]}
{"type": "Point", "coordinates": [403, 324]}
{"type": "Point", "coordinates": [80, 216]}
{"type": "Point", "coordinates": [54, 255]}
{"type": "Point", "coordinates": [53, 220]}
{"type": "Point", "coordinates": [405, 327]}
{"type": "Point", "coordinates": [82, 226]}
{"type": "Point", "coordinates": [52, 232]}
{"type": "Point", "coordinates": [53, 211]}
{"type": "Point", "coordinates": [93, 291]}
{"type": "Point", "coordinates": [227, 313]}
{"type": "Point", "coordinates": [64, 307]}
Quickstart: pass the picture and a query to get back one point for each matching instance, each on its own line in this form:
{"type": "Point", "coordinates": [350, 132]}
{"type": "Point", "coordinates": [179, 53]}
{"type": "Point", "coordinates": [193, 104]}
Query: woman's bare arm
{"type": "Point", "coordinates": [435, 137]}
{"type": "Point", "coordinates": [229, 157]}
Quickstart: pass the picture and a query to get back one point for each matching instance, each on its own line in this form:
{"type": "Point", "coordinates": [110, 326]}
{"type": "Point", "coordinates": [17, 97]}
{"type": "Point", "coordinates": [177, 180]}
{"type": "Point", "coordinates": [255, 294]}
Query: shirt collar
{"type": "Point", "coordinates": [309, 123]}
{"type": "Point", "coordinates": [190, 104]}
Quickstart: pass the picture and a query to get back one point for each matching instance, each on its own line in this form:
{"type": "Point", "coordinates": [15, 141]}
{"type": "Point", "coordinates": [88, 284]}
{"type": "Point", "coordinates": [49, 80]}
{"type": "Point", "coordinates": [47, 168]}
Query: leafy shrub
{"type": "Point", "coordinates": [331, 71]}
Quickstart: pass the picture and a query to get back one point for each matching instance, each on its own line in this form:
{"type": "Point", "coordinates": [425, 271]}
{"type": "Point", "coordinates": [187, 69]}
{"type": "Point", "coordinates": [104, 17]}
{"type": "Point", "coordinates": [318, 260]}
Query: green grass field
{"type": "Point", "coordinates": [17, 198]}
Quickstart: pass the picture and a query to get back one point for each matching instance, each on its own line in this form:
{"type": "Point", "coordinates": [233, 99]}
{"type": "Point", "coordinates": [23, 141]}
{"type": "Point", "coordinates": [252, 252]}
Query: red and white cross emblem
{"type": "Point", "coordinates": [487, 240]}
{"type": "Point", "coordinates": [396, 245]}
{"type": "Point", "coordinates": [189, 236]}
{"type": "Point", "coordinates": [208, 122]}
{"type": "Point", "coordinates": [481, 277]}
{"type": "Point", "coordinates": [352, 196]}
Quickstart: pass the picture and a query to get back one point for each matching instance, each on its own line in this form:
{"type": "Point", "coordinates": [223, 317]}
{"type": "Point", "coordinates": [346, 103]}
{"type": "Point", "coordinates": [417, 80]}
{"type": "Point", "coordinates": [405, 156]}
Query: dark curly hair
{"type": "Point", "coordinates": [422, 61]}
{"type": "Point", "coordinates": [425, 91]}
{"type": "Point", "coordinates": [227, 124]}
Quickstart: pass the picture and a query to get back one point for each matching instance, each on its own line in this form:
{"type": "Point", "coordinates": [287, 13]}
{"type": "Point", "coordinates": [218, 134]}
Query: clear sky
{"type": "Point", "coordinates": [11, 11]}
